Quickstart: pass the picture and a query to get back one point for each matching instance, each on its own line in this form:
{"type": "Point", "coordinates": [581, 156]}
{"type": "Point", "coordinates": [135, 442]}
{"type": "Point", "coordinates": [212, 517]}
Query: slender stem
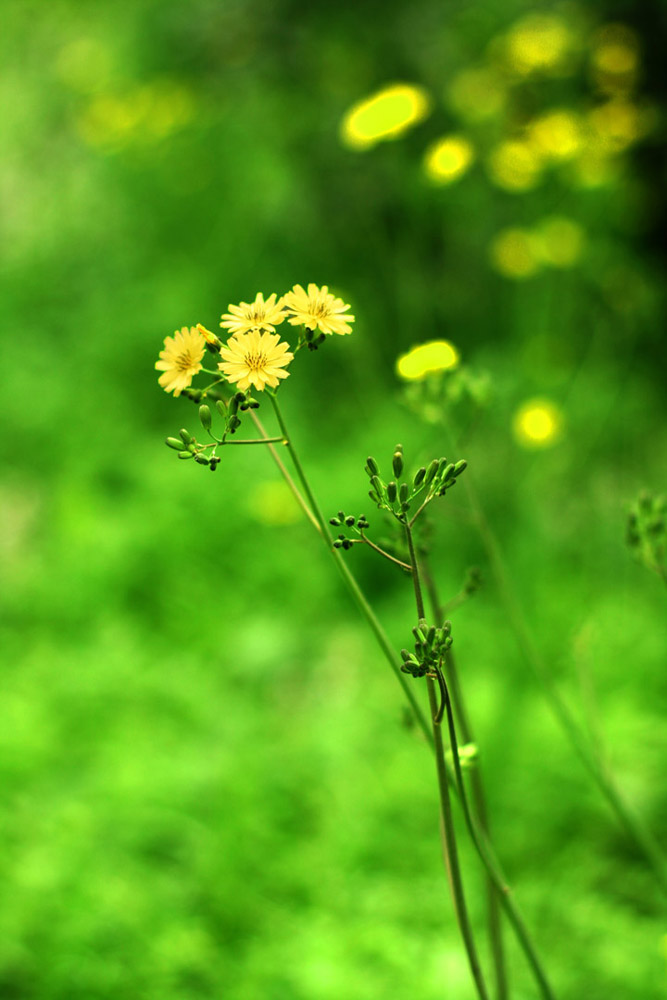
{"type": "Point", "coordinates": [642, 837]}
{"type": "Point", "coordinates": [493, 867]}
{"type": "Point", "coordinates": [351, 583]}
{"type": "Point", "coordinates": [454, 869]}
{"type": "Point", "coordinates": [288, 479]}
{"type": "Point", "coordinates": [382, 552]}
{"type": "Point", "coordinates": [492, 893]}
{"type": "Point", "coordinates": [484, 849]}
{"type": "Point", "coordinates": [265, 440]}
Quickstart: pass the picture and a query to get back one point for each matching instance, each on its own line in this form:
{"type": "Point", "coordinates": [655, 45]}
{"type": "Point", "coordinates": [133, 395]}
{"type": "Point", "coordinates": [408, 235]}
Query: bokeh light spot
{"type": "Point", "coordinates": [386, 114]}
{"type": "Point", "coordinates": [434, 356]}
{"type": "Point", "coordinates": [514, 254]}
{"type": "Point", "coordinates": [448, 159]}
{"type": "Point", "coordinates": [538, 42]}
{"type": "Point", "coordinates": [559, 241]}
{"type": "Point", "coordinates": [538, 423]}
{"type": "Point", "coordinates": [557, 134]}
{"type": "Point", "coordinates": [477, 94]}
{"type": "Point", "coordinates": [515, 166]}
{"type": "Point", "coordinates": [272, 503]}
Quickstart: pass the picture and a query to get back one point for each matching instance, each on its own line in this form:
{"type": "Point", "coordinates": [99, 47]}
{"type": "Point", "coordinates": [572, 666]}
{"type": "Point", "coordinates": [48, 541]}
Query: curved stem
{"type": "Point", "coordinates": [493, 895]}
{"type": "Point", "coordinates": [493, 867]}
{"type": "Point", "coordinates": [350, 581]}
{"type": "Point", "coordinates": [454, 868]}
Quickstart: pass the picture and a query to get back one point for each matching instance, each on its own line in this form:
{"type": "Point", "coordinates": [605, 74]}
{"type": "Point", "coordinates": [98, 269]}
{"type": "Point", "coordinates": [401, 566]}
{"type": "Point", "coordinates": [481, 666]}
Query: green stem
{"type": "Point", "coordinates": [254, 441]}
{"type": "Point", "coordinates": [456, 880]}
{"type": "Point", "coordinates": [580, 743]}
{"type": "Point", "coordinates": [355, 590]}
{"type": "Point", "coordinates": [484, 850]}
{"type": "Point", "coordinates": [382, 552]}
{"type": "Point", "coordinates": [493, 895]}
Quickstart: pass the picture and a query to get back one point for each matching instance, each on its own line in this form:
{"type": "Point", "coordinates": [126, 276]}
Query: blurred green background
{"type": "Point", "coordinates": [208, 789]}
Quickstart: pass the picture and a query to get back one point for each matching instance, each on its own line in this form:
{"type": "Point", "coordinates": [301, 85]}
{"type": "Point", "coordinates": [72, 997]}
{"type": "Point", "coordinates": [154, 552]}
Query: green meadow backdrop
{"type": "Point", "coordinates": [207, 784]}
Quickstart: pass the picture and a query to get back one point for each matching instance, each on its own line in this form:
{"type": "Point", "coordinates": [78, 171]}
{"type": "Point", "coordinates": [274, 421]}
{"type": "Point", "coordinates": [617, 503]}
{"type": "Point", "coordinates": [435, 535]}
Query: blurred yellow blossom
{"type": "Point", "coordinates": [256, 315]}
{"type": "Point", "coordinates": [272, 503]}
{"type": "Point", "coordinates": [318, 309]}
{"type": "Point", "coordinates": [255, 358]}
{"type": "Point", "coordinates": [559, 241]}
{"type": "Point", "coordinates": [515, 165]}
{"type": "Point", "coordinates": [539, 42]}
{"type": "Point", "coordinates": [616, 125]}
{"type": "Point", "coordinates": [557, 134]}
{"type": "Point", "coordinates": [434, 356]}
{"type": "Point", "coordinates": [387, 114]}
{"type": "Point", "coordinates": [514, 253]}
{"type": "Point", "coordinates": [477, 93]}
{"type": "Point", "coordinates": [448, 159]}
{"type": "Point", "coordinates": [181, 359]}
{"type": "Point", "coordinates": [538, 423]}
{"type": "Point", "coordinates": [615, 57]}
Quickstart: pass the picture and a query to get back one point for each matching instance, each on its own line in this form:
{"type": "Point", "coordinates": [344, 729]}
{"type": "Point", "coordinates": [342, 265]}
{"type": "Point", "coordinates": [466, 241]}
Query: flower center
{"type": "Point", "coordinates": [255, 361]}
{"type": "Point", "coordinates": [184, 361]}
{"type": "Point", "coordinates": [319, 309]}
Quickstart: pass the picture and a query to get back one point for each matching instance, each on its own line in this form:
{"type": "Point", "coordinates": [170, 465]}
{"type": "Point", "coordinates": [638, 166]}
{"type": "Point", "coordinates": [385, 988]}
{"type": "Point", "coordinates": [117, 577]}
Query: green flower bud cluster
{"type": "Point", "coordinates": [187, 446]}
{"type": "Point", "coordinates": [398, 495]}
{"type": "Point", "coordinates": [357, 524]}
{"type": "Point", "coordinates": [312, 340]}
{"type": "Point", "coordinates": [431, 644]}
{"type": "Point", "coordinates": [646, 532]}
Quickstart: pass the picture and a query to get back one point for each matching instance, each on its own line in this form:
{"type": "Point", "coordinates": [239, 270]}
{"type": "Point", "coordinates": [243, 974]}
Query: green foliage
{"type": "Point", "coordinates": [207, 788]}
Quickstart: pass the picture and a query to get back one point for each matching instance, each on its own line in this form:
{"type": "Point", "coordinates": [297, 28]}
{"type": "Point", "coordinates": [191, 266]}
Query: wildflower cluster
{"type": "Point", "coordinates": [431, 644]}
{"type": "Point", "coordinates": [356, 524]}
{"type": "Point", "coordinates": [647, 532]}
{"type": "Point", "coordinates": [398, 495]}
{"type": "Point", "coordinates": [253, 358]}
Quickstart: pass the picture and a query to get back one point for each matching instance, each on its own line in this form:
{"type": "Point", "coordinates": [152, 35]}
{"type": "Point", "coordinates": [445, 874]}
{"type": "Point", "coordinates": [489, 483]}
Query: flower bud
{"type": "Point", "coordinates": [174, 443]}
{"type": "Point", "coordinates": [403, 493]}
{"type": "Point", "coordinates": [221, 407]}
{"type": "Point", "coordinates": [201, 459]}
{"type": "Point", "coordinates": [371, 467]}
{"type": "Point", "coordinates": [397, 463]}
{"type": "Point", "coordinates": [420, 475]}
{"type": "Point", "coordinates": [205, 416]}
{"type": "Point", "coordinates": [350, 521]}
{"type": "Point", "coordinates": [431, 471]}
{"type": "Point", "coordinates": [185, 454]}
{"type": "Point", "coordinates": [185, 435]}
{"type": "Point", "coordinates": [392, 491]}
{"type": "Point", "coordinates": [460, 466]}
{"type": "Point", "coordinates": [335, 521]}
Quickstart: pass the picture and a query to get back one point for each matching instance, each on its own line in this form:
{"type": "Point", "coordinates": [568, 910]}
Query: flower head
{"type": "Point", "coordinates": [318, 309]}
{"type": "Point", "coordinates": [181, 359]}
{"type": "Point", "coordinates": [255, 358]}
{"type": "Point", "coordinates": [257, 315]}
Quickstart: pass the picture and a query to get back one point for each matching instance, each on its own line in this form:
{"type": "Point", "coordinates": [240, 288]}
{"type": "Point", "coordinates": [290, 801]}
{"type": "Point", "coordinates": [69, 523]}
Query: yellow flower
{"type": "Point", "coordinates": [387, 114]}
{"type": "Point", "coordinates": [255, 358]}
{"type": "Point", "coordinates": [318, 309]}
{"type": "Point", "coordinates": [181, 359]}
{"type": "Point", "coordinates": [434, 356]}
{"type": "Point", "coordinates": [257, 315]}
{"type": "Point", "coordinates": [538, 423]}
